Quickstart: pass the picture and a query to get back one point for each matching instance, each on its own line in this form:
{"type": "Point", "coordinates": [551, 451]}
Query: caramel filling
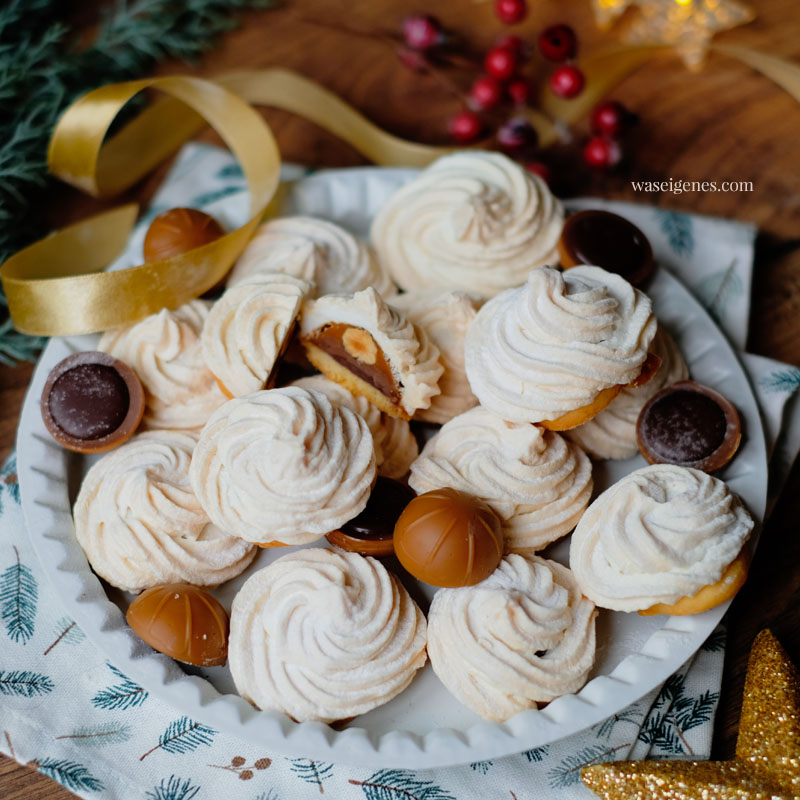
{"type": "Point", "coordinates": [356, 350]}
{"type": "Point", "coordinates": [652, 364]}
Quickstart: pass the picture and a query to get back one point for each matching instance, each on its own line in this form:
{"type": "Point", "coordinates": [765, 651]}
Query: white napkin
{"type": "Point", "coordinates": [85, 724]}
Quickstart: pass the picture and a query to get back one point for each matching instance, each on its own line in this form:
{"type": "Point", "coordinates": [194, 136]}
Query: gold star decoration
{"type": "Point", "coordinates": [687, 25]}
{"type": "Point", "coordinates": [767, 760]}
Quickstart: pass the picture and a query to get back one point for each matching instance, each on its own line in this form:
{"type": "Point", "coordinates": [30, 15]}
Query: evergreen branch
{"type": "Point", "coordinates": [182, 736]}
{"type": "Point", "coordinates": [400, 784]}
{"type": "Point", "coordinates": [120, 696]}
{"type": "Point", "coordinates": [99, 735]}
{"type": "Point", "coordinates": [70, 774]}
{"type": "Point", "coordinates": [19, 595]}
{"type": "Point", "coordinates": [22, 683]}
{"type": "Point", "coordinates": [173, 789]}
{"type": "Point", "coordinates": [310, 771]}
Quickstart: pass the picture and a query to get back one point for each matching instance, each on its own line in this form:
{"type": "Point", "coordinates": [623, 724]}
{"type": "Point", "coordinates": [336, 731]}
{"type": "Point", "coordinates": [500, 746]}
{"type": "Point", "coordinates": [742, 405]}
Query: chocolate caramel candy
{"type": "Point", "coordinates": [92, 402]}
{"type": "Point", "coordinates": [371, 533]}
{"type": "Point", "coordinates": [182, 621]}
{"type": "Point", "coordinates": [448, 538]}
{"type": "Point", "coordinates": [178, 231]}
{"type": "Point", "coordinates": [690, 425]}
{"type": "Point", "coordinates": [356, 350]}
{"type": "Point", "coordinates": [606, 240]}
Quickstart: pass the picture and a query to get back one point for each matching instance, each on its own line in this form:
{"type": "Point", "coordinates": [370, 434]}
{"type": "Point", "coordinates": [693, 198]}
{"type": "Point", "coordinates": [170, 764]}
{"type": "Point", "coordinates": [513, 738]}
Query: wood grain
{"type": "Point", "coordinates": [724, 123]}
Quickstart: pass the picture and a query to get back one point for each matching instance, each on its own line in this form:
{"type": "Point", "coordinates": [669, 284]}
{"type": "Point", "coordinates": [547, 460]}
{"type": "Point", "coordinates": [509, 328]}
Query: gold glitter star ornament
{"type": "Point", "coordinates": [687, 25]}
{"type": "Point", "coordinates": [767, 761]}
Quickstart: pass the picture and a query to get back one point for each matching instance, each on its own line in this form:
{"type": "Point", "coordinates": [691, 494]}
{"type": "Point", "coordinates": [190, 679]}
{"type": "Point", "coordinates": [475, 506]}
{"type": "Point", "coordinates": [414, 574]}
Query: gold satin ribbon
{"type": "Point", "coordinates": [56, 286]}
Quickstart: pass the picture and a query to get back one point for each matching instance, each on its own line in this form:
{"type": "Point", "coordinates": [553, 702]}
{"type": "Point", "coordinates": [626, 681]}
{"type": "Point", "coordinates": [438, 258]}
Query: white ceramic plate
{"type": "Point", "coordinates": [424, 726]}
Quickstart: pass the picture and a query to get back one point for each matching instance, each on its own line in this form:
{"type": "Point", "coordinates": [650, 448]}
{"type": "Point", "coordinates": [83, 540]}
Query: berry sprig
{"type": "Point", "coordinates": [505, 80]}
{"type": "Point", "coordinates": [610, 122]}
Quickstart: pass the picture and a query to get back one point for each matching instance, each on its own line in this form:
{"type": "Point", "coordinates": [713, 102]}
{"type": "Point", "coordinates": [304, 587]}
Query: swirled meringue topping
{"type": "Point", "coordinates": [247, 328]}
{"type": "Point", "coordinates": [140, 524]}
{"type": "Point", "coordinates": [551, 346]}
{"type": "Point", "coordinates": [395, 445]}
{"type": "Point", "coordinates": [658, 534]}
{"type": "Point", "coordinates": [522, 636]}
{"type": "Point", "coordinates": [283, 465]}
{"type": "Point", "coordinates": [164, 350]}
{"type": "Point", "coordinates": [445, 317]}
{"type": "Point", "coordinates": [315, 250]}
{"type": "Point", "coordinates": [537, 482]}
{"type": "Point", "coordinates": [474, 221]}
{"type": "Point", "coordinates": [324, 635]}
{"type": "Point", "coordinates": [612, 433]}
{"type": "Point", "coordinates": [412, 357]}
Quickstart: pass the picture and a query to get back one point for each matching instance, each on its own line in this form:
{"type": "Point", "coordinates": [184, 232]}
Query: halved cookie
{"type": "Point", "coordinates": [358, 341]}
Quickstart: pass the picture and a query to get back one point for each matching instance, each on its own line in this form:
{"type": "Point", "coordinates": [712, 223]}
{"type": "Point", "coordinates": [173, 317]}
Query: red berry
{"type": "Point", "coordinates": [602, 153]}
{"type": "Point", "coordinates": [558, 43]}
{"type": "Point", "coordinates": [501, 63]}
{"type": "Point", "coordinates": [517, 136]}
{"type": "Point", "coordinates": [486, 93]}
{"type": "Point", "coordinates": [422, 32]}
{"type": "Point", "coordinates": [542, 170]}
{"type": "Point", "coordinates": [519, 90]}
{"type": "Point", "coordinates": [413, 59]}
{"type": "Point", "coordinates": [567, 81]}
{"type": "Point", "coordinates": [511, 42]}
{"type": "Point", "coordinates": [611, 118]}
{"type": "Point", "coordinates": [465, 127]}
{"type": "Point", "coordinates": [511, 11]}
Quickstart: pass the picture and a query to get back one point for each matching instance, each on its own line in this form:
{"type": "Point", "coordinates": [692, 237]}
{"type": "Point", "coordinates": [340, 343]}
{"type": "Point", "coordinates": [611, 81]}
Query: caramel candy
{"type": "Point", "coordinates": [690, 425]}
{"type": "Point", "coordinates": [371, 533]}
{"type": "Point", "coordinates": [182, 621]}
{"type": "Point", "coordinates": [356, 350]}
{"type": "Point", "coordinates": [177, 231]}
{"type": "Point", "coordinates": [92, 402]}
{"type": "Point", "coordinates": [448, 538]}
{"type": "Point", "coordinates": [606, 240]}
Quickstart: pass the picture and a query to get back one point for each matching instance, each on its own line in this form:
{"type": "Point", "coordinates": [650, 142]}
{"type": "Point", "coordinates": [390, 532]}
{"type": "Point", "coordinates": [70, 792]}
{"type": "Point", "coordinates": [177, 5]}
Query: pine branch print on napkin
{"type": "Point", "coordinates": [22, 683]}
{"type": "Point", "coordinates": [314, 772]}
{"type": "Point", "coordinates": [173, 789]}
{"type": "Point", "coordinates": [400, 784]}
{"type": "Point", "coordinates": [70, 774]}
{"type": "Point", "coordinates": [182, 736]}
{"type": "Point", "coordinates": [19, 594]}
{"type": "Point", "coordinates": [120, 696]}
{"type": "Point", "coordinates": [99, 735]}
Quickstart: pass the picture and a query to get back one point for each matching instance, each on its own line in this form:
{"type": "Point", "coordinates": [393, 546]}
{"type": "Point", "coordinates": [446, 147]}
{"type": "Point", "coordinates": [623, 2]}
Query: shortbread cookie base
{"type": "Point", "coordinates": [335, 371]}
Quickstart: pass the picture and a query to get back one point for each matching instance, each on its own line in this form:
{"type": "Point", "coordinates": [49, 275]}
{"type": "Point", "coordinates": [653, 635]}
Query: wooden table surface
{"type": "Point", "coordinates": [724, 123]}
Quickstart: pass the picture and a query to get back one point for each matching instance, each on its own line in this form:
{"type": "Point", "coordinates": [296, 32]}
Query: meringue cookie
{"type": "Point", "coordinates": [485, 641]}
{"type": "Point", "coordinates": [395, 444]}
{"type": "Point", "coordinates": [537, 482]}
{"type": "Point", "coordinates": [140, 524]}
{"type": "Point", "coordinates": [612, 433]}
{"type": "Point", "coordinates": [551, 346]}
{"type": "Point", "coordinates": [473, 220]}
{"type": "Point", "coordinates": [164, 350]}
{"type": "Point", "coordinates": [315, 250]}
{"type": "Point", "coordinates": [660, 533]}
{"type": "Point", "coordinates": [283, 465]}
{"type": "Point", "coordinates": [411, 356]}
{"type": "Point", "coordinates": [445, 317]}
{"type": "Point", "coordinates": [324, 635]}
{"type": "Point", "coordinates": [247, 329]}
